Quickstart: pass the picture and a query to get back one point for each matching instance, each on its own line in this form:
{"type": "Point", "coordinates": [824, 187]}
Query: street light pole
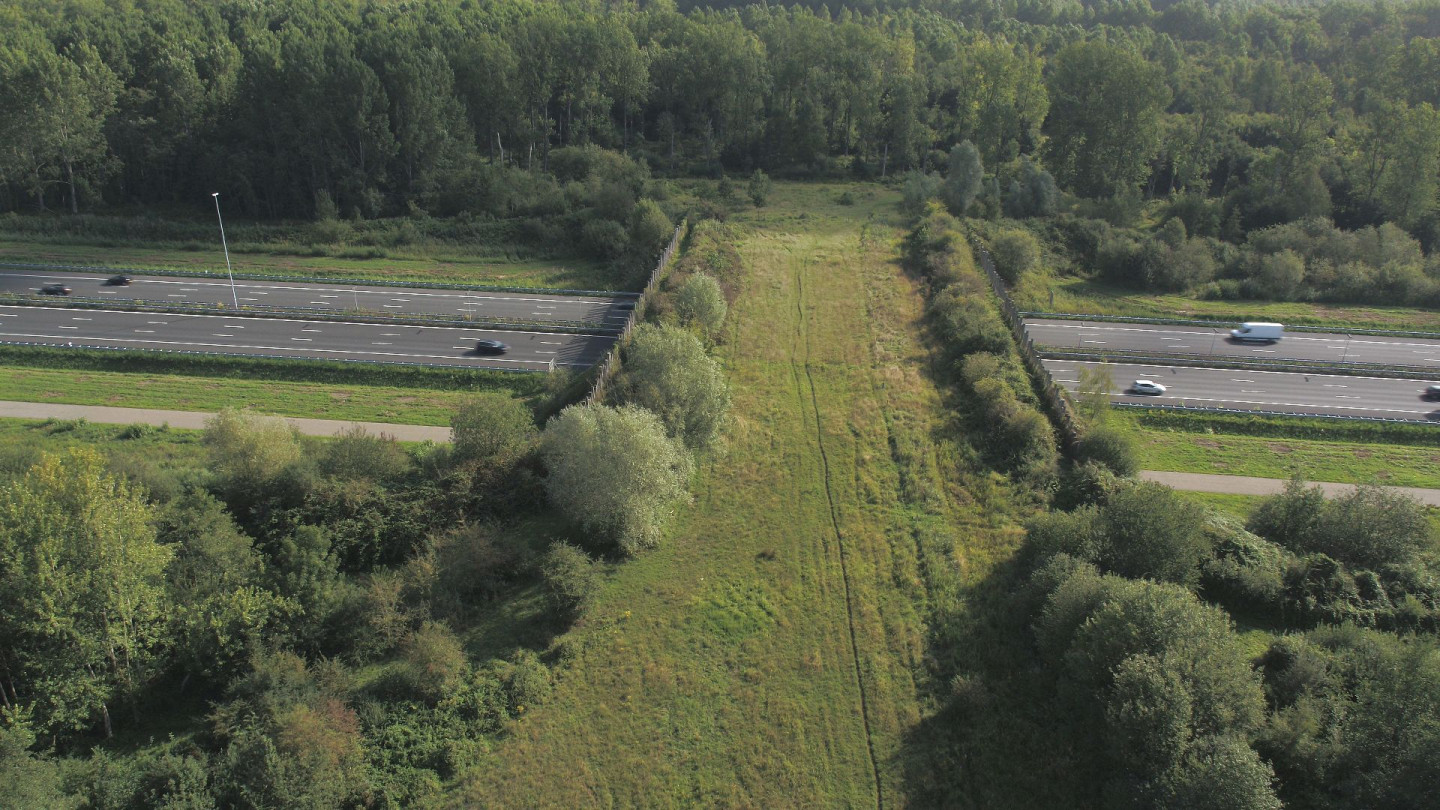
{"type": "Point", "coordinates": [234, 296]}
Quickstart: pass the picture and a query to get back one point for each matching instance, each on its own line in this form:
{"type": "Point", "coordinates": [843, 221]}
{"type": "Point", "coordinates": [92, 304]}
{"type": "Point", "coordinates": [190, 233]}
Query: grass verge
{"type": "Point", "coordinates": [405, 406]}
{"type": "Point", "coordinates": [1341, 462]}
{"type": "Point", "coordinates": [445, 264]}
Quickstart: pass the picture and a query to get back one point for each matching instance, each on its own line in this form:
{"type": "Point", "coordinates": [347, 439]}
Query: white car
{"type": "Point", "coordinates": [1147, 387]}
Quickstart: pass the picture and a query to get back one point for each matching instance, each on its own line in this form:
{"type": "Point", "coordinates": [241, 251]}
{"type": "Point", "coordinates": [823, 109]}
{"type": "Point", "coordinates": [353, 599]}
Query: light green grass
{"type": "Point", "coordinates": [719, 669]}
{"type": "Point", "coordinates": [443, 264]}
{"type": "Point", "coordinates": [1075, 295]}
{"type": "Point", "coordinates": [1341, 462]}
{"type": "Point", "coordinates": [405, 406]}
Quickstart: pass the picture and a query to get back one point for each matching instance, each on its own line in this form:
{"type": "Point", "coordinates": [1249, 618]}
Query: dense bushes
{"type": "Point", "coordinates": [977, 343]}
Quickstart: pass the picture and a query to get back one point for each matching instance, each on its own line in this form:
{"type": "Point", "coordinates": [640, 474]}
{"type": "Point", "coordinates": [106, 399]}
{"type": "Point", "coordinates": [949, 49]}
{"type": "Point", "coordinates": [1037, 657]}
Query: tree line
{"type": "Point", "coordinates": [1285, 111]}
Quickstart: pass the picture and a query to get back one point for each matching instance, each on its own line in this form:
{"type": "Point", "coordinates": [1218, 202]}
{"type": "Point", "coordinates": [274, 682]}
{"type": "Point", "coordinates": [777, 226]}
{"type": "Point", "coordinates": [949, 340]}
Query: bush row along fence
{"type": "Point", "coordinates": [1155, 406]}
{"type": "Point", "coordinates": [1334, 330]}
{"type": "Point", "coordinates": [611, 365]}
{"type": "Point", "coordinates": [1318, 367]}
{"type": "Point", "coordinates": [308, 313]}
{"type": "Point", "coordinates": [426, 285]}
{"type": "Point", "coordinates": [1055, 397]}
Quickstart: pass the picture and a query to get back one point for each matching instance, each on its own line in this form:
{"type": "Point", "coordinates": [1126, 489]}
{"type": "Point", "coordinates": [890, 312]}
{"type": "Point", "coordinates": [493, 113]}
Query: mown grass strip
{"type": "Point", "coordinates": [1341, 462]}
{"type": "Point", "coordinates": [390, 404]}
{"type": "Point", "coordinates": [1296, 427]}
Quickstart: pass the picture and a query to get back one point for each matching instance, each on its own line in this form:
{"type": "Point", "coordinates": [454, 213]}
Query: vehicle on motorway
{"type": "Point", "coordinates": [118, 280]}
{"type": "Point", "coordinates": [1259, 332]}
{"type": "Point", "coordinates": [1148, 387]}
{"type": "Point", "coordinates": [490, 347]}
{"type": "Point", "coordinates": [1431, 392]}
{"type": "Point", "coordinates": [54, 289]}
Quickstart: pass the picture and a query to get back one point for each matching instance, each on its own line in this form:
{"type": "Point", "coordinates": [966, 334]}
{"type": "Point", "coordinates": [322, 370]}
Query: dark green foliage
{"type": "Point", "coordinates": [1109, 445]}
{"type": "Point", "coordinates": [964, 178]}
{"type": "Point", "coordinates": [1371, 527]}
{"type": "Point", "coordinates": [492, 429]}
{"type": "Point", "coordinates": [1015, 253]}
{"type": "Point", "coordinates": [570, 579]}
{"type": "Point", "coordinates": [1141, 530]}
{"type": "Point", "coordinates": [759, 188]}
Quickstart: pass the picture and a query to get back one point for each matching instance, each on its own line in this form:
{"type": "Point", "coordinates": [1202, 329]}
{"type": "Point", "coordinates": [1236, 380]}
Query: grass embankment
{"type": "Point", "coordinates": [1341, 462]}
{"type": "Point", "coordinates": [770, 653]}
{"type": "Point", "coordinates": [439, 263]}
{"type": "Point", "coordinates": [403, 406]}
{"type": "Point", "coordinates": [1080, 296]}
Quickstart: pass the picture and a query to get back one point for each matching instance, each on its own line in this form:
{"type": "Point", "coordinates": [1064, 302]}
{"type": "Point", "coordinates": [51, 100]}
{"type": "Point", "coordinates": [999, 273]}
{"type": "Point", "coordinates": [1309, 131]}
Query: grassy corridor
{"type": "Point", "coordinates": [770, 654]}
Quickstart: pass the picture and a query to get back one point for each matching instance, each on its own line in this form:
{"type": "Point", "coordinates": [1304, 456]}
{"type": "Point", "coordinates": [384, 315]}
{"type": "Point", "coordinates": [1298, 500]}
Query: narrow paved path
{"type": "Point", "coordinates": [196, 420]}
{"type": "Point", "coordinates": [1245, 485]}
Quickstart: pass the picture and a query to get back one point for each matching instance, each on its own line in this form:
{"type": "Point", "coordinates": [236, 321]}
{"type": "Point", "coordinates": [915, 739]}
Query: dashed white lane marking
{"type": "Point", "coordinates": [1232, 379]}
{"type": "Point", "coordinates": [80, 319]}
{"type": "Point", "coordinates": [174, 295]}
{"type": "Point", "coordinates": [538, 351]}
{"type": "Point", "coordinates": [157, 323]}
{"type": "Point", "coordinates": [552, 343]}
{"type": "Point", "coordinates": [391, 306]}
{"type": "Point", "coordinates": [309, 330]}
{"type": "Point", "coordinates": [1333, 385]}
{"type": "Point", "coordinates": [380, 343]}
{"type": "Point", "coordinates": [69, 327]}
{"type": "Point", "coordinates": [307, 340]}
{"type": "Point", "coordinates": [1346, 396]}
{"type": "Point", "coordinates": [146, 331]}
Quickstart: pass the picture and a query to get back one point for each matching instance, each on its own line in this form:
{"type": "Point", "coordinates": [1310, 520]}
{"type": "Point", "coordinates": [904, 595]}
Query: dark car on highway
{"type": "Point", "coordinates": [1431, 392]}
{"type": "Point", "coordinates": [490, 347]}
{"type": "Point", "coordinates": [54, 289]}
{"type": "Point", "coordinates": [120, 280]}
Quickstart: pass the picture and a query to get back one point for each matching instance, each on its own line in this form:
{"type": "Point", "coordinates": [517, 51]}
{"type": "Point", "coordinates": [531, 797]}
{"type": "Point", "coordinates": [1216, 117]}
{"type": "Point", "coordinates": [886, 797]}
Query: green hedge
{"type": "Point", "coordinates": [1290, 428]}
{"type": "Point", "coordinates": [314, 371]}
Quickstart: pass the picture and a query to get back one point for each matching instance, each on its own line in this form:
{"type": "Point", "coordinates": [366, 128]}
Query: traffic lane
{"type": "Point", "coordinates": [1286, 392]}
{"type": "Point", "coordinates": [1316, 346]}
{"type": "Point", "coordinates": [392, 300]}
{"type": "Point", "coordinates": [296, 338]}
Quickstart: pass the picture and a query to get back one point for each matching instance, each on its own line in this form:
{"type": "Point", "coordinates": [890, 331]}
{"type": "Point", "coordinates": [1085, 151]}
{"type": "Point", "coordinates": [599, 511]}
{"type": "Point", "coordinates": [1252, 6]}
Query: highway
{"type": "Point", "coordinates": [339, 297]}
{"type": "Point", "coordinates": [297, 338]}
{"type": "Point", "coordinates": [1136, 337]}
{"type": "Point", "coordinates": [1283, 392]}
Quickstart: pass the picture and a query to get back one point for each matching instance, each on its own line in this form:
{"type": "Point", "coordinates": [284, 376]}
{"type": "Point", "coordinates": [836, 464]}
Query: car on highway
{"type": "Point", "coordinates": [1257, 332]}
{"type": "Point", "coordinates": [118, 280]}
{"type": "Point", "coordinates": [490, 347]}
{"type": "Point", "coordinates": [1147, 387]}
{"type": "Point", "coordinates": [1431, 392]}
{"type": "Point", "coordinates": [54, 289]}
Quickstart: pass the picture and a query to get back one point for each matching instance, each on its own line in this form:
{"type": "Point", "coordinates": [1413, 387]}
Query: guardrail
{"type": "Point", "coordinates": [548, 365]}
{"type": "Point", "coordinates": [1210, 409]}
{"type": "Point", "coordinates": [112, 270]}
{"type": "Point", "coordinates": [611, 365]}
{"type": "Point", "coordinates": [312, 313]}
{"type": "Point", "coordinates": [1342, 330]}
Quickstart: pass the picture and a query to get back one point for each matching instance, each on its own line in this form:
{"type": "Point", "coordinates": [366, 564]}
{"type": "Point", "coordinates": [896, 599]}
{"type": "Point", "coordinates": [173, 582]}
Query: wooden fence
{"type": "Point", "coordinates": [611, 365]}
{"type": "Point", "coordinates": [1056, 398]}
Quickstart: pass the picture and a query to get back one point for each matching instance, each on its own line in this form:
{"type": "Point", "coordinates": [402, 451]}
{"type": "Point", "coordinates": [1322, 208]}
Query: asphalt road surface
{"type": "Point", "coordinates": [287, 294]}
{"type": "Point", "coordinates": [1096, 336]}
{"type": "Point", "coordinates": [1283, 392]}
{"type": "Point", "coordinates": [291, 337]}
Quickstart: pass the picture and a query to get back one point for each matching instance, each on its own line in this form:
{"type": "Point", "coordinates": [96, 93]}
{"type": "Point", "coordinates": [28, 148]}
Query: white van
{"type": "Point", "coordinates": [1259, 332]}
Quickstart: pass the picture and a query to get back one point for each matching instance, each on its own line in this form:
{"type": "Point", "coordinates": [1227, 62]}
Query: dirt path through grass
{"type": "Point", "coordinates": [771, 653]}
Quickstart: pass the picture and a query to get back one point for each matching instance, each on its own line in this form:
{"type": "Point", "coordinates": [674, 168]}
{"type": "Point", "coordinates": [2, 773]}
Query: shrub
{"type": "Point", "coordinates": [1109, 445]}
{"type": "Point", "coordinates": [1032, 194]}
{"type": "Point", "coordinates": [604, 238]}
{"type": "Point", "coordinates": [570, 580]}
{"type": "Point", "coordinates": [965, 178]}
{"type": "Point", "coordinates": [492, 428]}
{"type": "Point", "coordinates": [667, 371]}
{"type": "Point", "coordinates": [615, 471]}
{"type": "Point", "coordinates": [918, 189]}
{"type": "Point", "coordinates": [759, 188]}
{"type": "Point", "coordinates": [247, 450]}
{"type": "Point", "coordinates": [434, 661]}
{"type": "Point", "coordinates": [1015, 253]}
{"type": "Point", "coordinates": [701, 302]}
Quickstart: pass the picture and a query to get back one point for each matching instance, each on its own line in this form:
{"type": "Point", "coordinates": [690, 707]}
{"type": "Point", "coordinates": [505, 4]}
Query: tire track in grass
{"type": "Point", "coordinates": [801, 325]}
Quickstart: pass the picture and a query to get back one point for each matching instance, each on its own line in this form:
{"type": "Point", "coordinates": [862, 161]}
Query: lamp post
{"type": "Point", "coordinates": [234, 296]}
